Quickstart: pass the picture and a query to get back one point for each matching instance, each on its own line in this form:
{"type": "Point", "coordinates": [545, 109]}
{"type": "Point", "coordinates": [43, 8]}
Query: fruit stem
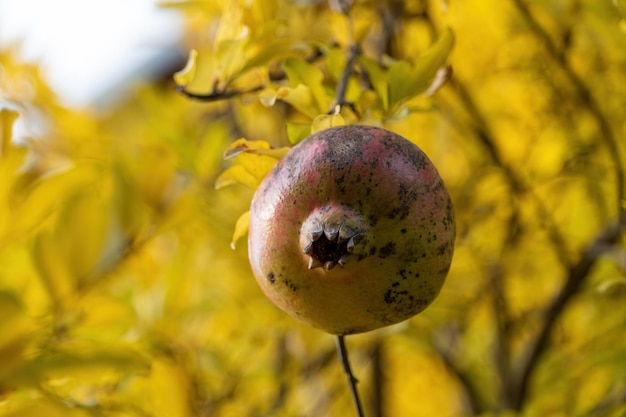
{"type": "Point", "coordinates": [342, 352]}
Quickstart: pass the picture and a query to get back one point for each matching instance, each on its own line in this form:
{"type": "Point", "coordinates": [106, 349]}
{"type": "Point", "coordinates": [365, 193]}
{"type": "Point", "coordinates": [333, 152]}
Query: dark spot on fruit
{"type": "Point", "coordinates": [387, 250]}
{"type": "Point", "coordinates": [289, 283]}
{"type": "Point", "coordinates": [389, 297]}
{"type": "Point", "coordinates": [271, 277]}
{"type": "Point", "coordinates": [395, 284]}
{"type": "Point", "coordinates": [403, 231]}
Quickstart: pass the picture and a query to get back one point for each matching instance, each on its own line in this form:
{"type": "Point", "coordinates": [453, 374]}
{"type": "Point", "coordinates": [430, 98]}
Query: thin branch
{"type": "Point", "coordinates": [342, 84]}
{"type": "Point", "coordinates": [446, 345]}
{"type": "Point", "coordinates": [342, 352]}
{"type": "Point", "coordinates": [575, 278]}
{"type": "Point", "coordinates": [216, 95]}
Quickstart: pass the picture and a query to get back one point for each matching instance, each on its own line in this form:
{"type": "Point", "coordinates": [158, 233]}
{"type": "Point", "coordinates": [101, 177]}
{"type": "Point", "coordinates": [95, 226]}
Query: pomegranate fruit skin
{"type": "Point", "coordinates": [352, 230]}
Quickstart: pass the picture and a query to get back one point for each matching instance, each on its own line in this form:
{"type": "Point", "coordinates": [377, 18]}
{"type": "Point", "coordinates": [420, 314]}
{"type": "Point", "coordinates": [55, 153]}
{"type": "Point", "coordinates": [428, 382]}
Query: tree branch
{"type": "Point", "coordinates": [445, 344]}
{"type": "Point", "coordinates": [575, 278]}
{"type": "Point", "coordinates": [342, 84]}
{"type": "Point", "coordinates": [216, 95]}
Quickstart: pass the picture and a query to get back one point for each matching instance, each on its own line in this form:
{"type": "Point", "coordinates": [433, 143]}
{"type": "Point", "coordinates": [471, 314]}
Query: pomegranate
{"type": "Point", "coordinates": [352, 230]}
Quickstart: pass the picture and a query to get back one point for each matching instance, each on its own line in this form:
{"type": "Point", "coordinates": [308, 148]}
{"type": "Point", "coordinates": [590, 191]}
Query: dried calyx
{"type": "Point", "coordinates": [330, 242]}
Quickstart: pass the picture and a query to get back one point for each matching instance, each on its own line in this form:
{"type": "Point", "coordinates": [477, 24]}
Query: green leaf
{"type": "Point", "coordinates": [297, 131]}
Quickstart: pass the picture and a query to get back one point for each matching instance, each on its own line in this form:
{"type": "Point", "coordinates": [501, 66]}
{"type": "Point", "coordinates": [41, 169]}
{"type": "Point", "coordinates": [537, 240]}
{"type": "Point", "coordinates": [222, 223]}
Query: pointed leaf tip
{"type": "Point", "coordinates": [188, 73]}
{"type": "Point", "coordinates": [241, 228]}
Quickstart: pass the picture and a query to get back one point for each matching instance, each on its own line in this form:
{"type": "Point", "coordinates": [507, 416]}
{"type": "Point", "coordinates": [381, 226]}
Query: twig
{"type": "Point", "coordinates": [342, 84]}
{"type": "Point", "coordinates": [445, 343]}
{"type": "Point", "coordinates": [342, 352]}
{"type": "Point", "coordinates": [216, 95]}
{"type": "Point", "coordinates": [575, 278]}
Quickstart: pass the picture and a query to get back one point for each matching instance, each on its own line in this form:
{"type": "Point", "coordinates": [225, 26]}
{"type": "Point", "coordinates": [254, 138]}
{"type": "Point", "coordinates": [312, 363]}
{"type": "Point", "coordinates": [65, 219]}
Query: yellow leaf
{"type": "Point", "coordinates": [236, 174]}
{"type": "Point", "coordinates": [259, 147]}
{"type": "Point", "coordinates": [257, 165]}
{"type": "Point", "coordinates": [78, 362]}
{"type": "Point", "coordinates": [378, 79]}
{"type": "Point", "coordinates": [82, 251]}
{"type": "Point", "coordinates": [169, 390]}
{"type": "Point", "coordinates": [36, 201]}
{"type": "Point", "coordinates": [299, 72]}
{"type": "Point", "coordinates": [187, 74]}
{"type": "Point", "coordinates": [53, 270]}
{"type": "Point", "coordinates": [43, 407]}
{"type": "Point", "coordinates": [407, 81]}
{"type": "Point", "coordinates": [324, 121]}
{"type": "Point", "coordinates": [241, 228]}
{"type": "Point", "coordinates": [16, 328]}
{"type": "Point", "coordinates": [301, 98]}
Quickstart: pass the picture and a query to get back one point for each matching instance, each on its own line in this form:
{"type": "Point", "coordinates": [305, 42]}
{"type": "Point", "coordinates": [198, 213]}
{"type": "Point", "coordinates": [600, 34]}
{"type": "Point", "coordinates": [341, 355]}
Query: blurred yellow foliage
{"type": "Point", "coordinates": [120, 294]}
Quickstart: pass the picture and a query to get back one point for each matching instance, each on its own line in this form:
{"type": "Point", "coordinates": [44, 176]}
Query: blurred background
{"type": "Point", "coordinates": [125, 288]}
{"type": "Point", "coordinates": [90, 52]}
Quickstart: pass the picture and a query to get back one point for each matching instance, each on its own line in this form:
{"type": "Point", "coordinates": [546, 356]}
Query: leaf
{"type": "Point", "coordinates": [324, 121]}
{"type": "Point", "coordinates": [407, 81]}
{"type": "Point", "coordinates": [336, 62]}
{"type": "Point", "coordinates": [16, 328]}
{"type": "Point", "coordinates": [66, 363]}
{"type": "Point", "coordinates": [188, 73]}
{"type": "Point", "coordinates": [257, 165]}
{"type": "Point", "coordinates": [267, 53]}
{"type": "Point", "coordinates": [301, 98]}
{"type": "Point", "coordinates": [170, 390]}
{"type": "Point", "coordinates": [241, 228]}
{"type": "Point", "coordinates": [301, 73]}
{"type": "Point", "coordinates": [297, 131]}
{"type": "Point", "coordinates": [259, 147]}
{"type": "Point", "coordinates": [236, 174]}
{"type": "Point", "coordinates": [377, 78]}
{"type": "Point", "coordinates": [53, 270]}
